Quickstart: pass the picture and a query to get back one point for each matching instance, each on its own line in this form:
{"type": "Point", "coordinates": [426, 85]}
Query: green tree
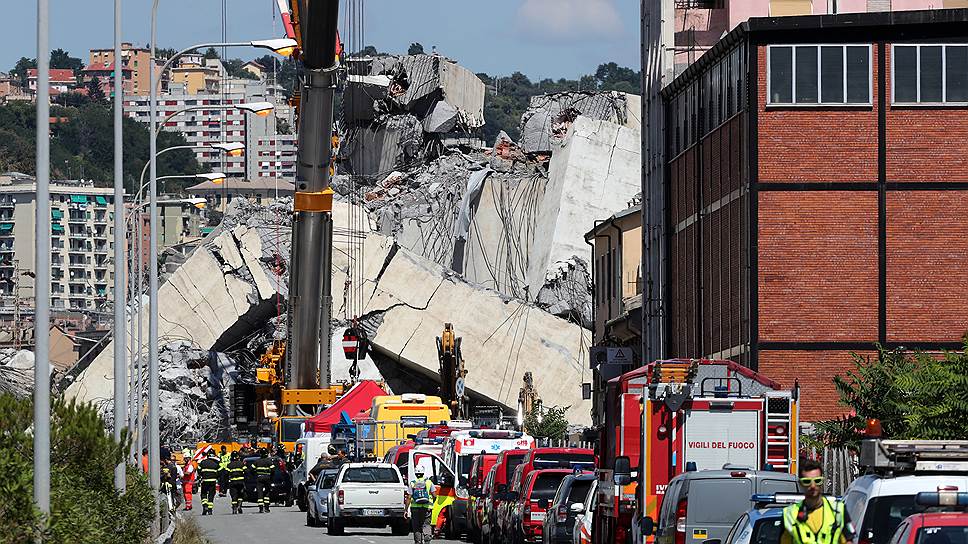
{"type": "Point", "coordinates": [548, 423]}
{"type": "Point", "coordinates": [95, 92]}
{"type": "Point", "coordinates": [211, 53]}
{"type": "Point", "coordinates": [415, 49]}
{"type": "Point", "coordinates": [85, 139]}
{"type": "Point", "coordinates": [369, 51]}
{"type": "Point", "coordinates": [20, 69]}
{"type": "Point", "coordinates": [85, 507]}
{"type": "Point", "coordinates": [913, 395]}
{"type": "Point", "coordinates": [236, 68]}
{"type": "Point", "coordinates": [61, 59]}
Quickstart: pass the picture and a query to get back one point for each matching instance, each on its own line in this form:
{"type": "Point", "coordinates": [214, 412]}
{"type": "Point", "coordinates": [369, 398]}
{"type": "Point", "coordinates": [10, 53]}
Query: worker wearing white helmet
{"type": "Point", "coordinates": [419, 502]}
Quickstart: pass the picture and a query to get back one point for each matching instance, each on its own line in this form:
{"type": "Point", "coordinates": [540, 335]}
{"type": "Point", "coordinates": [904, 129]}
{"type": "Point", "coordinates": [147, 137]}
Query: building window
{"type": "Point", "coordinates": [819, 74]}
{"type": "Point", "coordinates": [929, 74]}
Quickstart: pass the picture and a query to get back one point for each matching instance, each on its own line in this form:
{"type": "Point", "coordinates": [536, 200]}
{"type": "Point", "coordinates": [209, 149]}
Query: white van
{"type": "Point", "coordinates": [306, 454]}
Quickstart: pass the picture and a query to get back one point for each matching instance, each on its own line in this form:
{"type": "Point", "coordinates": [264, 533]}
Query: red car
{"type": "Point", "coordinates": [946, 527]}
{"type": "Point", "coordinates": [530, 508]}
{"type": "Point", "coordinates": [480, 469]}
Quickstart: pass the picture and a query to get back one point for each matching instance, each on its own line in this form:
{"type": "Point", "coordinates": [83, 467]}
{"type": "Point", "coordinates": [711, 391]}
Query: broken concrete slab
{"type": "Point", "coordinates": [502, 337]}
{"type": "Point", "coordinates": [392, 143]}
{"type": "Point", "coordinates": [548, 117]}
{"type": "Point", "coordinates": [594, 173]}
{"type": "Point", "coordinates": [418, 82]}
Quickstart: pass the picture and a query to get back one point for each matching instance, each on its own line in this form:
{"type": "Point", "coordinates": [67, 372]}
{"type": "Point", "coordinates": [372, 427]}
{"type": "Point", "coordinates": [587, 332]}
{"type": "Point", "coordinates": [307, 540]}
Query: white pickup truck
{"type": "Point", "coordinates": [368, 495]}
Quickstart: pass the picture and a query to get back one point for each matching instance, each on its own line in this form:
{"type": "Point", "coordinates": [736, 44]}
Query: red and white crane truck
{"type": "Point", "coordinates": [667, 414]}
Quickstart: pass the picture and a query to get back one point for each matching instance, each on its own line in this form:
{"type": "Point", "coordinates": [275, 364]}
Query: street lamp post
{"type": "Point", "coordinates": [42, 270]}
{"type": "Point", "coordinates": [120, 302]}
{"type": "Point", "coordinates": [283, 46]}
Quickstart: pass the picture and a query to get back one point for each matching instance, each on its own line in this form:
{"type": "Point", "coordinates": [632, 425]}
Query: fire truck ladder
{"type": "Point", "coordinates": [672, 382]}
{"type": "Point", "coordinates": [779, 407]}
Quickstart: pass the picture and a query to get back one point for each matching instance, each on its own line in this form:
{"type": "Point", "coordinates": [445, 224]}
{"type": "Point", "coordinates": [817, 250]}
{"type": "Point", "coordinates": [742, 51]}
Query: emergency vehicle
{"type": "Point", "coordinates": [707, 413]}
{"type": "Point", "coordinates": [459, 451]}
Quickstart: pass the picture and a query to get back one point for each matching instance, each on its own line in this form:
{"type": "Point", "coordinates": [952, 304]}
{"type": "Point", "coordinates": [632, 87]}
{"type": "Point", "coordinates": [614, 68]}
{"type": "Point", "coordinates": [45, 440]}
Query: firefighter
{"type": "Point", "coordinates": [236, 472]}
{"type": "Point", "coordinates": [224, 458]}
{"type": "Point", "coordinates": [169, 480]}
{"type": "Point", "coordinates": [264, 467]}
{"type": "Point", "coordinates": [188, 478]}
{"type": "Point", "coordinates": [816, 519]}
{"type": "Point", "coordinates": [419, 501]}
{"type": "Point", "coordinates": [208, 470]}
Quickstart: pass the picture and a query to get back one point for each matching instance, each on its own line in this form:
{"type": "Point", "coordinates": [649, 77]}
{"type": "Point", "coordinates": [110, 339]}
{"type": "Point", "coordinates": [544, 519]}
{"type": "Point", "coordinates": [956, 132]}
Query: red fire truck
{"type": "Point", "coordinates": [669, 413]}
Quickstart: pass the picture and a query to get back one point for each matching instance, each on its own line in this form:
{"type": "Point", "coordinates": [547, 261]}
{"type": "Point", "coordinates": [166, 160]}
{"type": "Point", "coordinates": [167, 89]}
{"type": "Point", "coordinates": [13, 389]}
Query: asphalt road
{"type": "Point", "coordinates": [280, 525]}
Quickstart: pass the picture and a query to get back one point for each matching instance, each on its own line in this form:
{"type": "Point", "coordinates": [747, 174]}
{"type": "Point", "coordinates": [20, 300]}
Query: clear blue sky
{"type": "Point", "coordinates": [542, 38]}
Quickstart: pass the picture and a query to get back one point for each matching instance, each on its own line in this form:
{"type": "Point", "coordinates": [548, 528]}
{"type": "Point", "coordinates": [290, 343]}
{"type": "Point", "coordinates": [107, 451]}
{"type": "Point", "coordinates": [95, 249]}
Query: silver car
{"type": "Point", "coordinates": [318, 498]}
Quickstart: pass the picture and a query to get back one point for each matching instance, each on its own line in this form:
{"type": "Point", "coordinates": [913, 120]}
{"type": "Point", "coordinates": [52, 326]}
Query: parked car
{"type": "Point", "coordinates": [878, 504]}
{"type": "Point", "coordinates": [529, 507]}
{"type": "Point", "coordinates": [489, 502]}
{"type": "Point", "coordinates": [707, 503]}
{"type": "Point", "coordinates": [568, 502]}
{"type": "Point", "coordinates": [318, 499]}
{"type": "Point", "coordinates": [477, 482]}
{"type": "Point", "coordinates": [581, 533]}
{"type": "Point", "coordinates": [762, 524]}
{"type": "Point", "coordinates": [945, 527]}
{"type": "Point", "coordinates": [367, 495]}
{"type": "Point", "coordinates": [504, 470]}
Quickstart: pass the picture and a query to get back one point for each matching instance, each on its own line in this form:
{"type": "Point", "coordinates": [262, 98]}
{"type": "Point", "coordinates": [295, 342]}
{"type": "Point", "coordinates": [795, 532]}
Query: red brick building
{"type": "Point", "coordinates": [817, 182]}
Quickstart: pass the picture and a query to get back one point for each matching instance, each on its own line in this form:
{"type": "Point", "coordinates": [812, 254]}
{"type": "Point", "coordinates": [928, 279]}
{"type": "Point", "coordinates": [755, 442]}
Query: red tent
{"type": "Point", "coordinates": [357, 399]}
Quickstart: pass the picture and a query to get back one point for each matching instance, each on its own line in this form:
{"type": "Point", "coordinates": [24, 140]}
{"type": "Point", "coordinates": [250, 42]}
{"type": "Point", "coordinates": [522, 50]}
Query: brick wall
{"type": "Point", "coordinates": [927, 266]}
{"type": "Point", "coordinates": [926, 143]}
{"type": "Point", "coordinates": [706, 250]}
{"type": "Point", "coordinates": [817, 266]}
{"type": "Point", "coordinates": [808, 144]}
{"type": "Point", "coordinates": [814, 369]}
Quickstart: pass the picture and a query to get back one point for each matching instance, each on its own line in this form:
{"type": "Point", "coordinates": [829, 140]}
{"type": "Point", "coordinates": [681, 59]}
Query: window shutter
{"type": "Point", "coordinates": [882, 5]}
{"type": "Point", "coordinates": [781, 8]}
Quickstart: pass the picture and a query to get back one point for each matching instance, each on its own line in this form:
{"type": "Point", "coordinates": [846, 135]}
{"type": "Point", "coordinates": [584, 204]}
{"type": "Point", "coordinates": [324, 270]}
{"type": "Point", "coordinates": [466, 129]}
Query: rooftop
{"type": "Point", "coordinates": [239, 184]}
{"type": "Point", "coordinates": [56, 74]}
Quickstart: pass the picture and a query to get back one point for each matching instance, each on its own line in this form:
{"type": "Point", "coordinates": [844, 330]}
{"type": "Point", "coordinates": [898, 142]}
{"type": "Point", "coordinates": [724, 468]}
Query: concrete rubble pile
{"type": "Point", "coordinates": [398, 110]}
{"type": "Point", "coordinates": [16, 372]}
{"type": "Point", "coordinates": [546, 121]}
{"type": "Point", "coordinates": [513, 218]}
{"type": "Point", "coordinates": [220, 310]}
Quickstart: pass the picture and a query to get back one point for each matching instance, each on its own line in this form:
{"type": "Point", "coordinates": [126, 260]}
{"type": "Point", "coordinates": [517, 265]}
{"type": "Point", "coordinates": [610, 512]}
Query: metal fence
{"type": "Point", "coordinates": [563, 443]}
{"type": "Point", "coordinates": [839, 467]}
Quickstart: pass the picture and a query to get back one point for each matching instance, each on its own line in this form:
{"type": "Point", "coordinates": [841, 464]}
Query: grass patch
{"type": "Point", "coordinates": [188, 531]}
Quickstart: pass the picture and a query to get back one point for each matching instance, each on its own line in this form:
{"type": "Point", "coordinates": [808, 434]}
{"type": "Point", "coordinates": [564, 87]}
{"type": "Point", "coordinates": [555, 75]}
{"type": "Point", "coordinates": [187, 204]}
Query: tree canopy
{"type": "Point", "coordinates": [83, 141]}
{"type": "Point", "coordinates": [84, 505]}
{"type": "Point", "coordinates": [914, 396]}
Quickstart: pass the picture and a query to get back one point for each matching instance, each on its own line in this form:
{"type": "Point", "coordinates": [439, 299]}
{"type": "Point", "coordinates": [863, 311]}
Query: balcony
{"type": "Point", "coordinates": [77, 219]}
{"type": "Point", "coordinates": [101, 219]}
{"type": "Point", "coordinates": [102, 249]}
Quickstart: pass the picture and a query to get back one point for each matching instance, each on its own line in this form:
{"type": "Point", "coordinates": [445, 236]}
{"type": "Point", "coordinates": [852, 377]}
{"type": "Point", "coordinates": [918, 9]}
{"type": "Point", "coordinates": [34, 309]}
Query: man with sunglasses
{"type": "Point", "coordinates": [816, 519]}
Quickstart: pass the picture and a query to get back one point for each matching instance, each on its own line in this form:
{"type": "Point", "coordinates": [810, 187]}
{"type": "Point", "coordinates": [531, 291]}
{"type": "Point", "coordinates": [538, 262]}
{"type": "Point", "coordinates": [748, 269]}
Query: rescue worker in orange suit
{"type": "Point", "coordinates": [264, 467]}
{"type": "Point", "coordinates": [208, 470]}
{"type": "Point", "coordinates": [236, 471]}
{"type": "Point", "coordinates": [188, 478]}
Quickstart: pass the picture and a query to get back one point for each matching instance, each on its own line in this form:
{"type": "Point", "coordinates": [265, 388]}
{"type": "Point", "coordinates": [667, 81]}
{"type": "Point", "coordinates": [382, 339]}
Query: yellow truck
{"type": "Point", "coordinates": [394, 418]}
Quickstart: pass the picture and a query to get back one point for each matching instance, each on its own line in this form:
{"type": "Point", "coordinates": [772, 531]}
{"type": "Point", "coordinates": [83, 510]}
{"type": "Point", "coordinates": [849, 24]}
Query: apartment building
{"type": "Point", "coordinates": [202, 126]}
{"type": "Point", "coordinates": [81, 241]}
{"type": "Point", "coordinates": [197, 74]}
{"type": "Point", "coordinates": [137, 59]}
{"type": "Point", "coordinates": [104, 74]}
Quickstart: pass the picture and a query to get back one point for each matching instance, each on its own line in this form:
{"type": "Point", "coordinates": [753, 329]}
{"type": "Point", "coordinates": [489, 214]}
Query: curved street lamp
{"type": "Point", "coordinates": [261, 109]}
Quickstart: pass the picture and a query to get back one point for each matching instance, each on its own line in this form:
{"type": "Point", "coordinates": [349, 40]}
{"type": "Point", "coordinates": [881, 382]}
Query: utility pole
{"type": "Point", "coordinates": [42, 268]}
{"type": "Point", "coordinates": [120, 302]}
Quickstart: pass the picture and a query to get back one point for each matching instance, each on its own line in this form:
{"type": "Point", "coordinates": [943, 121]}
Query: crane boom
{"type": "Point", "coordinates": [310, 289]}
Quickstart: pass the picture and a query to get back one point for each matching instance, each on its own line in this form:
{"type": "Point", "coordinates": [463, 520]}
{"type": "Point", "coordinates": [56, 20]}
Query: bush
{"type": "Point", "coordinates": [84, 505]}
{"type": "Point", "coordinates": [547, 422]}
{"type": "Point", "coordinates": [913, 395]}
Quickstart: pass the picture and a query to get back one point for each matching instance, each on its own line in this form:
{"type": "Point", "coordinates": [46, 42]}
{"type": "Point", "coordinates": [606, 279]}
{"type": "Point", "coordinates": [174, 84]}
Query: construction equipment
{"type": "Point", "coordinates": [292, 379]}
{"type": "Point", "coordinates": [452, 372]}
